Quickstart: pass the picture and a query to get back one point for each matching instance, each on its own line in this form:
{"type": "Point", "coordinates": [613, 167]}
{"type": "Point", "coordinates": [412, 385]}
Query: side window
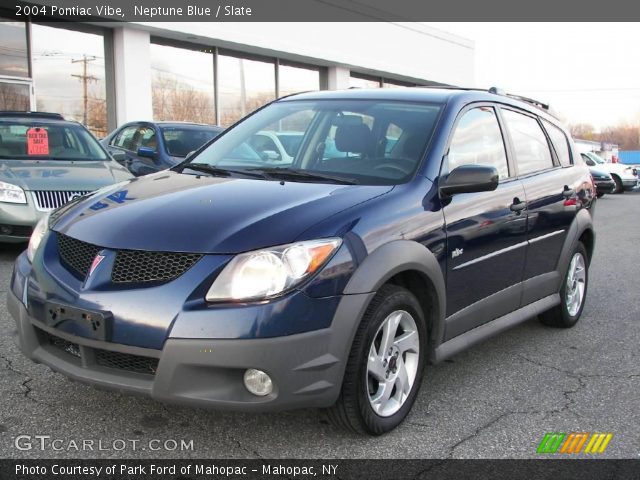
{"type": "Point", "coordinates": [124, 139]}
{"type": "Point", "coordinates": [146, 137]}
{"type": "Point", "coordinates": [529, 142]}
{"type": "Point", "coordinates": [560, 143]}
{"type": "Point", "coordinates": [477, 140]}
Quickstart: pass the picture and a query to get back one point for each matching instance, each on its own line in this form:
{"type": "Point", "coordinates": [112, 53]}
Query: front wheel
{"type": "Point", "coordinates": [619, 188]}
{"type": "Point", "coordinates": [572, 293]}
{"type": "Point", "coordinates": [385, 366]}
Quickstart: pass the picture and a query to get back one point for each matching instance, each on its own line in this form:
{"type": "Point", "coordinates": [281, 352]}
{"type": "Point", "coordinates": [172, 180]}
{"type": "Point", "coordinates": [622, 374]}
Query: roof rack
{"type": "Point", "coordinates": [536, 103]}
{"type": "Point", "coordinates": [16, 113]}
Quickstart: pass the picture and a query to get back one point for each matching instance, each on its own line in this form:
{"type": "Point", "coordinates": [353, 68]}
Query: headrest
{"type": "Point", "coordinates": [352, 135]}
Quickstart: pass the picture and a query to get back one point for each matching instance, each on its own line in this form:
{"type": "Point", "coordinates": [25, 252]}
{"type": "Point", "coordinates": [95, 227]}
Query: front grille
{"type": "Point", "coordinates": [16, 230]}
{"type": "Point", "coordinates": [126, 361]}
{"type": "Point", "coordinates": [103, 358]}
{"type": "Point", "coordinates": [71, 348]}
{"type": "Point", "coordinates": [132, 266]}
{"type": "Point", "coordinates": [50, 199]}
{"type": "Point", "coordinates": [76, 254]}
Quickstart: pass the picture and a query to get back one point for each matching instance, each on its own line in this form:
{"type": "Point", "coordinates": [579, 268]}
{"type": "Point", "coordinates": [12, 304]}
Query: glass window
{"type": "Point", "coordinates": [362, 82]}
{"type": "Point", "coordinates": [34, 140]}
{"type": "Point", "coordinates": [14, 61]}
{"type": "Point", "coordinates": [336, 141]}
{"type": "Point", "coordinates": [182, 85]}
{"type": "Point", "coordinates": [146, 137]}
{"type": "Point", "coordinates": [124, 139]}
{"type": "Point", "coordinates": [15, 96]}
{"type": "Point", "coordinates": [478, 141]}
{"type": "Point", "coordinates": [180, 141]}
{"type": "Point", "coordinates": [560, 143]}
{"type": "Point", "coordinates": [64, 63]}
{"type": "Point", "coordinates": [245, 85]}
{"type": "Point", "coordinates": [530, 144]}
{"type": "Point", "coordinates": [296, 79]}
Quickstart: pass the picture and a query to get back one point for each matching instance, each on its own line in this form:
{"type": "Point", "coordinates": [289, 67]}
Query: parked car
{"type": "Point", "coordinates": [277, 146]}
{"type": "Point", "coordinates": [232, 283]}
{"type": "Point", "coordinates": [46, 161]}
{"type": "Point", "coordinates": [623, 175]}
{"type": "Point", "coordinates": [148, 147]}
{"type": "Point", "coordinates": [603, 181]}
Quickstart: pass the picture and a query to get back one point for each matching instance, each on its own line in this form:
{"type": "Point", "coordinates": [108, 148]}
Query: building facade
{"type": "Point", "coordinates": [106, 74]}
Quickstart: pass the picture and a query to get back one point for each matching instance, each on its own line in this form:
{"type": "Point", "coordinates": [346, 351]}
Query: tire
{"type": "Point", "coordinates": [619, 188]}
{"type": "Point", "coordinates": [361, 407]}
{"type": "Point", "coordinates": [567, 314]}
{"type": "Point", "coordinates": [600, 195]}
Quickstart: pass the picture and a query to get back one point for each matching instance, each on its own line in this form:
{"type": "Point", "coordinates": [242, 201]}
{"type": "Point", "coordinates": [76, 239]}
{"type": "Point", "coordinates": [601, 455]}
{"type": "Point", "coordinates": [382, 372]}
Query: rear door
{"type": "Point", "coordinates": [550, 196]}
{"type": "Point", "coordinates": [486, 231]}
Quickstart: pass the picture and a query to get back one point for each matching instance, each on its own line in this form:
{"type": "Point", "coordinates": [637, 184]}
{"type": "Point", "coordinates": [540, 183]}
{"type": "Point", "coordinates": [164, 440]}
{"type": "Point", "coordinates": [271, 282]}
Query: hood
{"type": "Point", "coordinates": [598, 172]}
{"type": "Point", "coordinates": [174, 212]}
{"type": "Point", "coordinates": [62, 174]}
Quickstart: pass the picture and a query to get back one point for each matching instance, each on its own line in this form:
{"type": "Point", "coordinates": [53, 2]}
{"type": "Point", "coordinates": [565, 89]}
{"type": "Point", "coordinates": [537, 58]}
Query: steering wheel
{"type": "Point", "coordinates": [392, 166]}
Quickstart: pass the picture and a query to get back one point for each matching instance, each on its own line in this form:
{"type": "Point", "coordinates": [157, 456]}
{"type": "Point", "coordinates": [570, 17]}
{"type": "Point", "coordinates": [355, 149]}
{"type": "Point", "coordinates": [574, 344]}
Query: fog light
{"type": "Point", "coordinates": [258, 382]}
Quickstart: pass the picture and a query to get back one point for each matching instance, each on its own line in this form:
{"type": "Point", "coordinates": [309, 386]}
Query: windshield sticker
{"type": "Point", "coordinates": [37, 141]}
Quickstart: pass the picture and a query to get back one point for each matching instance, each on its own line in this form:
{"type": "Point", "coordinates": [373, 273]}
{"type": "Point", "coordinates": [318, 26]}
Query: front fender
{"type": "Point", "coordinates": [396, 257]}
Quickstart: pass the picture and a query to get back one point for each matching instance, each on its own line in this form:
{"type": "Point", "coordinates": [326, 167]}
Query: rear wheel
{"type": "Point", "coordinates": [572, 294]}
{"type": "Point", "coordinates": [385, 366]}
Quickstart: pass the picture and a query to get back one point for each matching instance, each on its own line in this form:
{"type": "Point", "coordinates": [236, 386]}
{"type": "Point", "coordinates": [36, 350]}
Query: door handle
{"type": "Point", "coordinates": [517, 206]}
{"type": "Point", "coordinates": [568, 192]}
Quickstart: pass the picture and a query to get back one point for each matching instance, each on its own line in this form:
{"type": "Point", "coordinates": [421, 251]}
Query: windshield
{"type": "Point", "coordinates": [360, 141]}
{"type": "Point", "coordinates": [595, 157]}
{"type": "Point", "coordinates": [180, 141]}
{"type": "Point", "coordinates": [31, 140]}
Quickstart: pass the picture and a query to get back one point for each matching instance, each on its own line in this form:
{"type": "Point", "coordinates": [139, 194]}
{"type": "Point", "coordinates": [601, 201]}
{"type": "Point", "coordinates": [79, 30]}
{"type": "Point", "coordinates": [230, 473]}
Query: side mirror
{"type": "Point", "coordinates": [470, 179]}
{"type": "Point", "coordinates": [146, 152]}
{"type": "Point", "coordinates": [590, 162]}
{"type": "Point", "coordinates": [119, 156]}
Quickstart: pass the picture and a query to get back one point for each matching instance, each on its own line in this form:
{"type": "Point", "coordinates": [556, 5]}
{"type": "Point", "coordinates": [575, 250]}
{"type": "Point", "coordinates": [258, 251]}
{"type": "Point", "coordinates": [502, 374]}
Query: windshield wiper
{"type": "Point", "coordinates": [284, 173]}
{"type": "Point", "coordinates": [221, 172]}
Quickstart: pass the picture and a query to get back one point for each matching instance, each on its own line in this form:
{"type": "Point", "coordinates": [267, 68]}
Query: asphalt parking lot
{"type": "Point", "coordinates": [496, 400]}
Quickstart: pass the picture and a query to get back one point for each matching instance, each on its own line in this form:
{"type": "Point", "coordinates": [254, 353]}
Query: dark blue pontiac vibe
{"type": "Point", "coordinates": [405, 226]}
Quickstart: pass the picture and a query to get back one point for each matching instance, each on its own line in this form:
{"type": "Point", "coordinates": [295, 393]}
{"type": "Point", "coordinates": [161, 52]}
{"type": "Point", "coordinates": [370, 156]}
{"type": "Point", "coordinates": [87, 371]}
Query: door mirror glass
{"type": "Point", "coordinates": [469, 179]}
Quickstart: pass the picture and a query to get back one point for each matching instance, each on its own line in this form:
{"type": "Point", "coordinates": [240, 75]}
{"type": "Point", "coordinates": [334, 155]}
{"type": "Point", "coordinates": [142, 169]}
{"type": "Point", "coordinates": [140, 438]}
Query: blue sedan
{"type": "Point", "coordinates": [148, 147]}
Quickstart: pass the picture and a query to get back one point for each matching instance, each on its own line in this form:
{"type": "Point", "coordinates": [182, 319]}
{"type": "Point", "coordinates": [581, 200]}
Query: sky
{"type": "Point", "coordinates": [588, 72]}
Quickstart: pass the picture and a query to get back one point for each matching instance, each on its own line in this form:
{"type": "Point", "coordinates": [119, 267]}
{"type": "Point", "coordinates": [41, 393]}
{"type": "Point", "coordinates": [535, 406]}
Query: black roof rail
{"type": "Point", "coordinates": [536, 103]}
{"type": "Point", "coordinates": [16, 113]}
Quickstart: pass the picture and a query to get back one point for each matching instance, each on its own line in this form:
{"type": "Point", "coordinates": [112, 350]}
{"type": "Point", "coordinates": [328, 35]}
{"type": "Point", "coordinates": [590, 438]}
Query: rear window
{"type": "Point", "coordinates": [25, 140]}
{"type": "Point", "coordinates": [560, 143]}
{"type": "Point", "coordinates": [529, 142]}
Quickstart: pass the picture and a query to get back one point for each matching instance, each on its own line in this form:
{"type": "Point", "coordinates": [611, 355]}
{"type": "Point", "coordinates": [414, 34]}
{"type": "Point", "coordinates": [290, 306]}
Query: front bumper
{"type": "Point", "coordinates": [629, 183]}
{"type": "Point", "coordinates": [604, 186]}
{"type": "Point", "coordinates": [20, 218]}
{"type": "Point", "coordinates": [306, 368]}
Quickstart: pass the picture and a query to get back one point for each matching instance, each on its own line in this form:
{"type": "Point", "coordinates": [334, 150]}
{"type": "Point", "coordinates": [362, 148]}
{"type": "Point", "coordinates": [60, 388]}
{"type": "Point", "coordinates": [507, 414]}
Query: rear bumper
{"type": "Point", "coordinates": [306, 368]}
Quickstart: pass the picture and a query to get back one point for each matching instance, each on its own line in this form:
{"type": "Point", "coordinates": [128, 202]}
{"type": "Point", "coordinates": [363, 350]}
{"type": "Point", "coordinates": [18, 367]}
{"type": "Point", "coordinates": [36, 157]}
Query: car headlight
{"type": "Point", "coordinates": [269, 272]}
{"type": "Point", "coordinates": [11, 193]}
{"type": "Point", "coordinates": [38, 234]}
